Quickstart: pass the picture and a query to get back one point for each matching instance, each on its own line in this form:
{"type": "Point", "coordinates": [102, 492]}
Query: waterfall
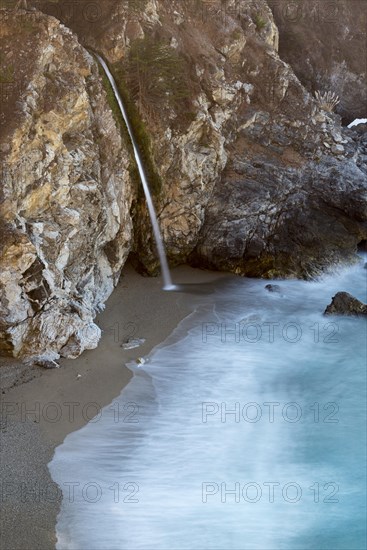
{"type": "Point", "coordinates": [167, 280]}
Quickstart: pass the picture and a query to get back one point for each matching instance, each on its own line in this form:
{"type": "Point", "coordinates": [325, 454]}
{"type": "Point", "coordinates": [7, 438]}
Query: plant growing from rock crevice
{"type": "Point", "coordinates": [140, 133]}
{"type": "Point", "coordinates": [259, 22]}
{"type": "Point", "coordinates": [158, 77]}
{"type": "Point", "coordinates": [327, 101]}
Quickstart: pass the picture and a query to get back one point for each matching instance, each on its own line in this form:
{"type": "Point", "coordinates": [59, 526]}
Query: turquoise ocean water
{"type": "Point", "coordinates": [244, 430]}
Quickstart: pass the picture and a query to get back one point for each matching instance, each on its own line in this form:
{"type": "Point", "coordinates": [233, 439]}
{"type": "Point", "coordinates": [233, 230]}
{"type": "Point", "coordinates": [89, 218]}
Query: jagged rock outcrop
{"type": "Point", "coordinates": [65, 199]}
{"type": "Point", "coordinates": [285, 217]}
{"type": "Point", "coordinates": [325, 43]}
{"type": "Point", "coordinates": [344, 303]}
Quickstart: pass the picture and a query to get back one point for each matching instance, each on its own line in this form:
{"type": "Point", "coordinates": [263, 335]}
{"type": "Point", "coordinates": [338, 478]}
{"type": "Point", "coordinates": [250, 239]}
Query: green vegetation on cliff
{"type": "Point", "coordinates": [156, 73]}
{"type": "Point", "coordinates": [140, 133]}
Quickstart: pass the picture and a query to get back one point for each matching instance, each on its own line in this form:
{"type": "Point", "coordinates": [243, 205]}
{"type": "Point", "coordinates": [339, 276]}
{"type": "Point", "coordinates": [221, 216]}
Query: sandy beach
{"type": "Point", "coordinates": [40, 407]}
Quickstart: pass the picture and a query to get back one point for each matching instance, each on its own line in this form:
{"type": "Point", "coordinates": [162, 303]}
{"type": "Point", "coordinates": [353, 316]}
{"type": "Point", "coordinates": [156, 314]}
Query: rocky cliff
{"type": "Point", "coordinates": [65, 199]}
{"type": "Point", "coordinates": [326, 45]}
{"type": "Point", "coordinates": [248, 173]}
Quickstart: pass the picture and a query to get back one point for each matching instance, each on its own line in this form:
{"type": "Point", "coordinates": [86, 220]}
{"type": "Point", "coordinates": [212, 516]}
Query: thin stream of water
{"type": "Point", "coordinates": [167, 279]}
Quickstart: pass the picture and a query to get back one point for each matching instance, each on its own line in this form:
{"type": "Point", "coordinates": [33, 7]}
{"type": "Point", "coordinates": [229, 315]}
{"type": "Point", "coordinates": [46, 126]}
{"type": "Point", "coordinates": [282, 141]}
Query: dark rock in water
{"type": "Point", "coordinates": [344, 303]}
{"type": "Point", "coordinates": [365, 265]}
{"type": "Point", "coordinates": [273, 288]}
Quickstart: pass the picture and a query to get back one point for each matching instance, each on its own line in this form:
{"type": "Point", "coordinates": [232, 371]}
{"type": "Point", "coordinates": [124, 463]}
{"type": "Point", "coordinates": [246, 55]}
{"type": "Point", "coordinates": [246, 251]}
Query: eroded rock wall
{"type": "Point", "coordinates": [326, 45]}
{"type": "Point", "coordinates": [254, 177]}
{"type": "Point", "coordinates": [65, 190]}
{"type": "Point", "coordinates": [221, 105]}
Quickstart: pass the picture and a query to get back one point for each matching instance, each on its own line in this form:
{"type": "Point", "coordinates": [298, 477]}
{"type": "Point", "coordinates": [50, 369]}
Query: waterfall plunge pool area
{"type": "Point", "coordinates": [244, 429]}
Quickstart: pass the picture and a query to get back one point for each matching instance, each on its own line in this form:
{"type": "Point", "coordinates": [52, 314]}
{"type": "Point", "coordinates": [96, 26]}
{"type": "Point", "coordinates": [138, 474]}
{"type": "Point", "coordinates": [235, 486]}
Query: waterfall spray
{"type": "Point", "coordinates": [167, 280]}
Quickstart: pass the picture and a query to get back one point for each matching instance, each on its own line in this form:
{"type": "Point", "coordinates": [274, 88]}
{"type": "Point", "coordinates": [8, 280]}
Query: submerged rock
{"type": "Point", "coordinates": [344, 303]}
{"type": "Point", "coordinates": [273, 288]}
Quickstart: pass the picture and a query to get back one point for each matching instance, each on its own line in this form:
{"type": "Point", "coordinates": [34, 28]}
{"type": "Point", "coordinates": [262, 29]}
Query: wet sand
{"type": "Point", "coordinates": [43, 406]}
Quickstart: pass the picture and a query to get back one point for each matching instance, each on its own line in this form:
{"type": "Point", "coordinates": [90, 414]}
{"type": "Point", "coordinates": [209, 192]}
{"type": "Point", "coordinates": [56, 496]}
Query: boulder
{"type": "Point", "coordinates": [344, 303]}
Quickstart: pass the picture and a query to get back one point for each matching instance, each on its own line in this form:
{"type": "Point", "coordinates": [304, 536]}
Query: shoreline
{"type": "Point", "coordinates": [41, 407]}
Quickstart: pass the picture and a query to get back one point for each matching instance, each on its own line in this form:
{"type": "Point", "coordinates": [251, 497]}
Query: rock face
{"type": "Point", "coordinates": [344, 303]}
{"type": "Point", "coordinates": [65, 200]}
{"type": "Point", "coordinates": [325, 43]}
{"type": "Point", "coordinates": [249, 175]}
{"type": "Point", "coordinates": [284, 219]}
